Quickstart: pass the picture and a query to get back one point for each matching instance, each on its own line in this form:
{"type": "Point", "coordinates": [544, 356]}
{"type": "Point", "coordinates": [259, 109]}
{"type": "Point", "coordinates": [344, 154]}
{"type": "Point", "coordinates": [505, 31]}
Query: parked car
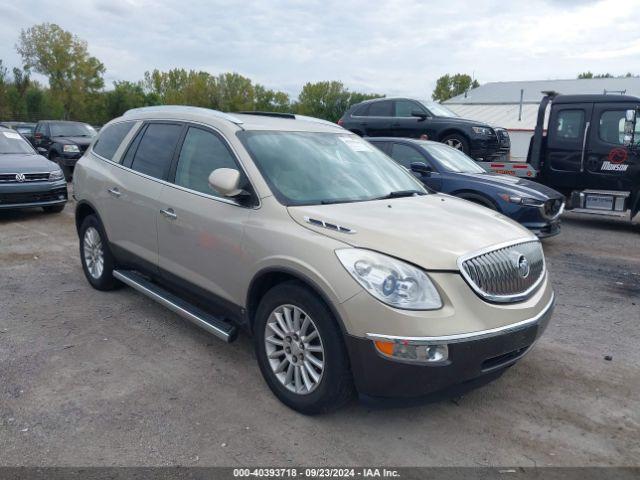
{"type": "Point", "coordinates": [408, 118]}
{"type": "Point", "coordinates": [23, 128]}
{"type": "Point", "coordinates": [27, 179]}
{"type": "Point", "coordinates": [447, 170]}
{"type": "Point", "coordinates": [346, 270]}
{"type": "Point", "coordinates": [63, 142]}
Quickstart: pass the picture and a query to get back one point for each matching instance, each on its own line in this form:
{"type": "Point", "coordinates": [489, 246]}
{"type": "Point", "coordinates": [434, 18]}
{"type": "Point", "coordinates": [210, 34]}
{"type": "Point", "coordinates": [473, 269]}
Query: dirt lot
{"type": "Point", "coordinates": [91, 378]}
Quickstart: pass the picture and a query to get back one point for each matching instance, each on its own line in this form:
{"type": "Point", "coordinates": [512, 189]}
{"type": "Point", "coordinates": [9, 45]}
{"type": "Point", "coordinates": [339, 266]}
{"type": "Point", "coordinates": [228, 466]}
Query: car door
{"type": "Point", "coordinates": [133, 192]}
{"type": "Point", "coordinates": [609, 165]}
{"type": "Point", "coordinates": [407, 125]}
{"type": "Point", "coordinates": [406, 154]}
{"type": "Point", "coordinates": [200, 232]}
{"type": "Point", "coordinates": [378, 120]}
{"type": "Point", "coordinates": [566, 139]}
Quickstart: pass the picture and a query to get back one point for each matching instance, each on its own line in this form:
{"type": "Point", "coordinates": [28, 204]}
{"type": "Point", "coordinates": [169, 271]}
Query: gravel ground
{"type": "Point", "coordinates": [93, 378]}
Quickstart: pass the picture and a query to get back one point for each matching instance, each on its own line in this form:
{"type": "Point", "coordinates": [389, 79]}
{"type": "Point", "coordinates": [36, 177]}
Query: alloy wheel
{"type": "Point", "coordinates": [294, 349]}
{"type": "Point", "coordinates": [455, 143]}
{"type": "Point", "coordinates": [93, 252]}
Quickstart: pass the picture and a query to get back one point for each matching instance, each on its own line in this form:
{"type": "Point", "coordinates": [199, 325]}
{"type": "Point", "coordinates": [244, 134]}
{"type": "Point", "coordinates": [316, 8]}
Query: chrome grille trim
{"type": "Point", "coordinates": [492, 272]}
{"type": "Point", "coordinates": [29, 177]}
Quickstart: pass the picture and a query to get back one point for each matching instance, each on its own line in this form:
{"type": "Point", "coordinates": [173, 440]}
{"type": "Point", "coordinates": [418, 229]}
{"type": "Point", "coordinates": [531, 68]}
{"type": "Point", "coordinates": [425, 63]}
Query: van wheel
{"type": "Point", "coordinates": [97, 260]}
{"type": "Point", "coordinates": [301, 351]}
{"type": "Point", "coordinates": [457, 141]}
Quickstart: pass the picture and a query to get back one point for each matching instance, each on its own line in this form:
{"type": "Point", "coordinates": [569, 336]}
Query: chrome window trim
{"type": "Point", "coordinates": [471, 336]}
{"type": "Point", "coordinates": [179, 187]}
{"type": "Point", "coordinates": [502, 298]}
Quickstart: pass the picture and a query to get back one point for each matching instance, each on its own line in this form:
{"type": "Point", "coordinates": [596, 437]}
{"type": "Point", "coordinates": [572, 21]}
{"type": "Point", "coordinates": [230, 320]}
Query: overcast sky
{"type": "Point", "coordinates": [392, 47]}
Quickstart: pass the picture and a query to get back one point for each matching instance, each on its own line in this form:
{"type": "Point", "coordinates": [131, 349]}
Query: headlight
{"type": "Point", "coordinates": [391, 281]}
{"type": "Point", "coordinates": [532, 202]}
{"type": "Point", "coordinates": [70, 149]}
{"type": "Point", "coordinates": [482, 130]}
{"type": "Point", "coordinates": [56, 175]}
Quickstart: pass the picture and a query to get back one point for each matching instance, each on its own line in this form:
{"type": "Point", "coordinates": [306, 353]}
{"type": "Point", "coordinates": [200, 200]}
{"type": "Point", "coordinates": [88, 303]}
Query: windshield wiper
{"type": "Point", "coordinates": [400, 194]}
{"type": "Point", "coordinates": [338, 200]}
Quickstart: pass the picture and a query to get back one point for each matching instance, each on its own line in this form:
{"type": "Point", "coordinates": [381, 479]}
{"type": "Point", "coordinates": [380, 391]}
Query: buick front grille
{"type": "Point", "coordinates": [505, 274]}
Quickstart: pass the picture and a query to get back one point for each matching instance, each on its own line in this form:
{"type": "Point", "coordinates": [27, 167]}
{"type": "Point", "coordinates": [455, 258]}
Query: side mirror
{"type": "Point", "coordinates": [421, 168]}
{"type": "Point", "coordinates": [225, 181]}
{"type": "Point", "coordinates": [418, 113]}
{"type": "Point", "coordinates": [629, 127]}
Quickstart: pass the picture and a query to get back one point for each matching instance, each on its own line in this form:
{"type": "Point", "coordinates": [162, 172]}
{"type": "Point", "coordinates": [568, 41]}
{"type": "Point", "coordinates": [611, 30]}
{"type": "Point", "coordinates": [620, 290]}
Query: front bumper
{"type": "Point", "coordinates": [70, 159]}
{"type": "Point", "coordinates": [37, 194]}
{"type": "Point", "coordinates": [488, 148]}
{"type": "Point", "coordinates": [472, 356]}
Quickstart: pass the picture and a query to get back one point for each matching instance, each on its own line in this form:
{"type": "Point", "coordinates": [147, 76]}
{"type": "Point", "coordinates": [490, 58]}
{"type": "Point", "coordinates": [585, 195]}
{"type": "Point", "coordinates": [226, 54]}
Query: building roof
{"type": "Point", "coordinates": [496, 93]}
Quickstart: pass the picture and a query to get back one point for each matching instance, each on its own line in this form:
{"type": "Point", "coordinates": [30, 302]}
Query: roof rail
{"type": "Point", "coordinates": [269, 114]}
{"type": "Point", "coordinates": [184, 108]}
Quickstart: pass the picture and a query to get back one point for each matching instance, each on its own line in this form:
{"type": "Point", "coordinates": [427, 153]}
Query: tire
{"type": "Point", "coordinates": [99, 278]}
{"type": "Point", "coordinates": [68, 175]}
{"type": "Point", "coordinates": [53, 209]}
{"type": "Point", "coordinates": [333, 385]}
{"type": "Point", "coordinates": [457, 141]}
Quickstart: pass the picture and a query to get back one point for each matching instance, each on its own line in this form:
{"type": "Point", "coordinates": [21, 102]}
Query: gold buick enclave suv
{"type": "Point", "coordinates": [347, 272]}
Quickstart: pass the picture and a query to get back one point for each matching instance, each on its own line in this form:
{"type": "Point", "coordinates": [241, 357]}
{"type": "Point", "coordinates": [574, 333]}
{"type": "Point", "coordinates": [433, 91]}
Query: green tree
{"type": "Point", "coordinates": [73, 74]}
{"type": "Point", "coordinates": [328, 100]}
{"type": "Point", "coordinates": [448, 86]}
{"type": "Point", "coordinates": [124, 96]}
{"type": "Point", "coordinates": [266, 100]}
{"type": "Point", "coordinates": [591, 75]}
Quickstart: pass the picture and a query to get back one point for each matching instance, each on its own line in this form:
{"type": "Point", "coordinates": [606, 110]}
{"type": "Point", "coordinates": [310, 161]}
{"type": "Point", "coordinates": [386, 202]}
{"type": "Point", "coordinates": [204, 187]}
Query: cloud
{"type": "Point", "coordinates": [392, 47]}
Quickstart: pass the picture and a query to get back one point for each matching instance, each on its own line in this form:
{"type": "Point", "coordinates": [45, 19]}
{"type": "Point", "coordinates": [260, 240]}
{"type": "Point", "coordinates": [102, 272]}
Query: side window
{"type": "Point", "coordinates": [202, 152]}
{"type": "Point", "coordinates": [611, 128]}
{"type": "Point", "coordinates": [156, 148]}
{"type": "Point", "coordinates": [405, 107]}
{"type": "Point", "coordinates": [361, 111]}
{"type": "Point", "coordinates": [405, 155]}
{"type": "Point", "coordinates": [110, 139]}
{"type": "Point", "coordinates": [381, 109]}
{"type": "Point", "coordinates": [382, 146]}
{"type": "Point", "coordinates": [568, 125]}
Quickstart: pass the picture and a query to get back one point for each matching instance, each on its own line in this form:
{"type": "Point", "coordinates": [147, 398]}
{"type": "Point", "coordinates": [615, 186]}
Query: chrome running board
{"type": "Point", "coordinates": [217, 326]}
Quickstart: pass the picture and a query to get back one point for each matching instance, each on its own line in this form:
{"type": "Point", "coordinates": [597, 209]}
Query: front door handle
{"type": "Point", "coordinates": [169, 213]}
{"type": "Point", "coordinates": [114, 191]}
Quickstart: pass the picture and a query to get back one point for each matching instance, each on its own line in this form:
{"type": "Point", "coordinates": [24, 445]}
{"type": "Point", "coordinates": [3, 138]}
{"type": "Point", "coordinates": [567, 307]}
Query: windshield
{"type": "Point", "coordinates": [72, 130]}
{"type": "Point", "coordinates": [451, 159]}
{"type": "Point", "coordinates": [439, 110]}
{"type": "Point", "coordinates": [306, 168]}
{"type": "Point", "coordinates": [12, 142]}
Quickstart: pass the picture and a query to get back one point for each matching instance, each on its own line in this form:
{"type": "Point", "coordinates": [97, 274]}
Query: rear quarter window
{"type": "Point", "coordinates": [110, 139]}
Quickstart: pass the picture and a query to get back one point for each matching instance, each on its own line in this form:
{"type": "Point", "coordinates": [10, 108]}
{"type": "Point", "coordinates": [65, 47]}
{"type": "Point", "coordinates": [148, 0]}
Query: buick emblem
{"type": "Point", "coordinates": [20, 177]}
{"type": "Point", "coordinates": [523, 266]}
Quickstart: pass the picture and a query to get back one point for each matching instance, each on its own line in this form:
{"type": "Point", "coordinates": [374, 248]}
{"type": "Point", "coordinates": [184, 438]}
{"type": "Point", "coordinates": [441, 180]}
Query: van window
{"type": "Point", "coordinates": [111, 138]}
{"type": "Point", "coordinates": [568, 125]}
{"type": "Point", "coordinates": [155, 151]}
{"type": "Point", "coordinates": [611, 128]}
{"type": "Point", "coordinates": [202, 152]}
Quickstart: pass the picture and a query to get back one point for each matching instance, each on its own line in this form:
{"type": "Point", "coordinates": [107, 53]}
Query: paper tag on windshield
{"type": "Point", "coordinates": [356, 144]}
{"type": "Point", "coordinates": [15, 136]}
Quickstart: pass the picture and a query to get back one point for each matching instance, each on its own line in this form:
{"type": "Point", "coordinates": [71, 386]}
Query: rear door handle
{"type": "Point", "coordinates": [114, 191]}
{"type": "Point", "coordinates": [169, 213]}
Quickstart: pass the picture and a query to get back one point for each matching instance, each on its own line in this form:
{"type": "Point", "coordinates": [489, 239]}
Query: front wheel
{"type": "Point", "coordinates": [97, 260]}
{"type": "Point", "coordinates": [300, 350]}
{"type": "Point", "coordinates": [457, 141]}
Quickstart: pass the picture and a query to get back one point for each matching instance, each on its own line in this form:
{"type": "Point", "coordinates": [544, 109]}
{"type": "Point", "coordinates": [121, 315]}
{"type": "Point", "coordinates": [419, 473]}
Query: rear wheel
{"type": "Point", "coordinates": [97, 260]}
{"type": "Point", "coordinates": [300, 350]}
{"type": "Point", "coordinates": [457, 141]}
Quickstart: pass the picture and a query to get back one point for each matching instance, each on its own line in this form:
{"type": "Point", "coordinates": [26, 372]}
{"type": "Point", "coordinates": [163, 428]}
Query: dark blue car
{"type": "Point", "coordinates": [447, 170]}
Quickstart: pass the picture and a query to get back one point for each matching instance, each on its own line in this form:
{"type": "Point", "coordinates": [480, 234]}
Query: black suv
{"type": "Point", "coordinates": [63, 142]}
{"type": "Point", "coordinates": [404, 117]}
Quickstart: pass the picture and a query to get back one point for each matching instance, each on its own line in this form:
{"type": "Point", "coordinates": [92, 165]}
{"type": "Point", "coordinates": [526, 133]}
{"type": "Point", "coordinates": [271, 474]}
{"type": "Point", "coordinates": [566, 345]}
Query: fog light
{"type": "Point", "coordinates": [408, 352]}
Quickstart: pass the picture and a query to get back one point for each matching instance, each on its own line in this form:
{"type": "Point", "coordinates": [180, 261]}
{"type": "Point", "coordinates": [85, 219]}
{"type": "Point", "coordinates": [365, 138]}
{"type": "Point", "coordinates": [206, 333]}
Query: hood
{"type": "Point", "coordinates": [463, 121]}
{"type": "Point", "coordinates": [511, 184]}
{"type": "Point", "coordinates": [23, 163]}
{"type": "Point", "coordinates": [80, 141]}
{"type": "Point", "coordinates": [431, 231]}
